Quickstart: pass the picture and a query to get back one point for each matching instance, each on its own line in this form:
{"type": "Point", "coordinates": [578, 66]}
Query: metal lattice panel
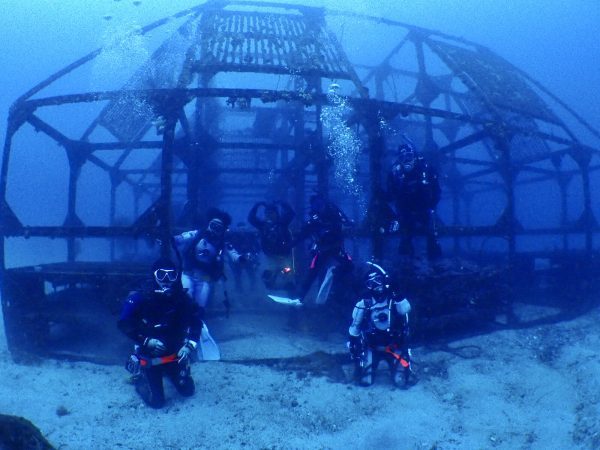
{"type": "Point", "coordinates": [128, 116]}
{"type": "Point", "coordinates": [275, 43]}
{"type": "Point", "coordinates": [501, 85]}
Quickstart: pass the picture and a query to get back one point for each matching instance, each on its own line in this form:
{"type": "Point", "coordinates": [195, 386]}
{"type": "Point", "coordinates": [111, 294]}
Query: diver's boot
{"type": "Point", "coordinates": [142, 387]}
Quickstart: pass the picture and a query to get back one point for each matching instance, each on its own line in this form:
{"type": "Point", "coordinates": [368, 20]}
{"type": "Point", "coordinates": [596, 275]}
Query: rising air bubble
{"type": "Point", "coordinates": [344, 147]}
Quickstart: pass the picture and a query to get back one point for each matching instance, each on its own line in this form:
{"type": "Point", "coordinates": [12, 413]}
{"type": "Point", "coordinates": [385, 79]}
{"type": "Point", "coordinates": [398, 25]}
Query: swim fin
{"type": "Point", "coordinates": [325, 288]}
{"type": "Point", "coordinates": [209, 350]}
{"type": "Point", "coordinates": [285, 300]}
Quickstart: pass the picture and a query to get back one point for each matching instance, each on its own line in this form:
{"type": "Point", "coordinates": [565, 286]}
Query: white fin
{"type": "Point", "coordinates": [209, 350]}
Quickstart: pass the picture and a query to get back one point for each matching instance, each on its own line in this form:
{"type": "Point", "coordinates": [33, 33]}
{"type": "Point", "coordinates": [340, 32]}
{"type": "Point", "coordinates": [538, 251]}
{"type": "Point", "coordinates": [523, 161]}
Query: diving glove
{"type": "Point", "coordinates": [186, 351]}
{"type": "Point", "coordinates": [354, 346]}
{"type": "Point", "coordinates": [155, 346]}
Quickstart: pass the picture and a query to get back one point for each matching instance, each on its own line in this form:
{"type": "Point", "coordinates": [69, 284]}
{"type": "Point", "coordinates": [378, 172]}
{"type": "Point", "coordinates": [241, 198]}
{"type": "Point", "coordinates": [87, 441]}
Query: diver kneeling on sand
{"type": "Point", "coordinates": [166, 324]}
{"type": "Point", "coordinates": [379, 330]}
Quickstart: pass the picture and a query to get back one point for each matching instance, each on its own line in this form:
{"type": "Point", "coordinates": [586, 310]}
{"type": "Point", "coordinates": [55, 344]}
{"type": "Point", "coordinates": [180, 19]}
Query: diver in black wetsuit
{"type": "Point", "coordinates": [414, 189]}
{"type": "Point", "coordinates": [275, 241]}
{"type": "Point", "coordinates": [165, 324]}
{"type": "Point", "coordinates": [325, 226]}
{"type": "Point", "coordinates": [380, 331]}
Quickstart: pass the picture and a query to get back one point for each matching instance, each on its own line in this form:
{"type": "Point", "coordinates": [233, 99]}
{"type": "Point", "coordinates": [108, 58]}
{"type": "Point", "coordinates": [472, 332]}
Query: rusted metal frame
{"type": "Point", "coordinates": [423, 77]}
{"type": "Point", "coordinates": [508, 171]}
{"type": "Point", "coordinates": [161, 94]}
{"type": "Point", "coordinates": [81, 231]}
{"type": "Point", "coordinates": [276, 42]}
{"type": "Point", "coordinates": [96, 52]}
{"type": "Point", "coordinates": [220, 171]}
{"type": "Point", "coordinates": [480, 173]}
{"type": "Point", "coordinates": [223, 52]}
{"type": "Point", "coordinates": [563, 182]}
{"type": "Point", "coordinates": [494, 165]}
{"type": "Point", "coordinates": [268, 69]}
{"type": "Point", "coordinates": [253, 42]}
{"type": "Point", "coordinates": [395, 23]}
{"type": "Point", "coordinates": [389, 70]}
{"type": "Point", "coordinates": [474, 162]}
{"type": "Point", "coordinates": [390, 108]}
{"type": "Point", "coordinates": [8, 220]}
{"type": "Point", "coordinates": [549, 174]}
{"type": "Point", "coordinates": [76, 161]}
{"type": "Point", "coordinates": [156, 186]}
{"type": "Point", "coordinates": [60, 138]}
{"type": "Point", "coordinates": [501, 231]}
{"type": "Point", "coordinates": [470, 83]}
{"type": "Point", "coordinates": [588, 215]}
{"type": "Point", "coordinates": [139, 145]}
{"type": "Point", "coordinates": [580, 119]}
{"type": "Point", "coordinates": [266, 4]}
{"type": "Point", "coordinates": [386, 60]}
{"type": "Point", "coordinates": [253, 146]}
{"type": "Point", "coordinates": [187, 73]}
{"type": "Point", "coordinates": [464, 142]}
{"type": "Point", "coordinates": [360, 88]}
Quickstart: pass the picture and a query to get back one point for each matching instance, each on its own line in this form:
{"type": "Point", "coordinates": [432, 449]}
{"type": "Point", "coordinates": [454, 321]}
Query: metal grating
{"type": "Point", "coordinates": [275, 43]}
{"type": "Point", "coordinates": [129, 116]}
{"type": "Point", "coordinates": [495, 78]}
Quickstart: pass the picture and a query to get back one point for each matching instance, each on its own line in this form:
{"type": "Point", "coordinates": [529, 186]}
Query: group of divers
{"type": "Point", "coordinates": [165, 318]}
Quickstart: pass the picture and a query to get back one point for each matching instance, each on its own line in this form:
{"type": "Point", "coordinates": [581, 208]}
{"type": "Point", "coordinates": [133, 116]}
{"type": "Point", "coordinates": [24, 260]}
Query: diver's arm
{"type": "Point", "coordinates": [233, 254]}
{"type": "Point", "coordinates": [354, 340]}
{"type": "Point", "coordinates": [403, 309]}
{"type": "Point", "coordinates": [253, 216]}
{"type": "Point", "coordinates": [304, 233]}
{"type": "Point", "coordinates": [130, 322]}
{"type": "Point", "coordinates": [436, 190]}
{"type": "Point", "coordinates": [287, 213]}
{"type": "Point", "coordinates": [358, 315]}
{"type": "Point", "coordinates": [184, 240]}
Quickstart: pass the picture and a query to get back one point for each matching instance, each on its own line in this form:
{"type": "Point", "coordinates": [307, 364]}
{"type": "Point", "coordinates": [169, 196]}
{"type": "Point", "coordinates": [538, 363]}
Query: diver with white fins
{"type": "Point", "coordinates": [325, 226]}
{"type": "Point", "coordinates": [380, 330]}
{"type": "Point", "coordinates": [202, 253]}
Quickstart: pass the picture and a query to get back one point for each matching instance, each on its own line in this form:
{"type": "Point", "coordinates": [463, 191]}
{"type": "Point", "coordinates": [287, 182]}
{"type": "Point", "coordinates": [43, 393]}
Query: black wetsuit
{"type": "Point", "coordinates": [325, 227]}
{"type": "Point", "coordinates": [171, 318]}
{"type": "Point", "coordinates": [275, 236]}
{"type": "Point", "coordinates": [415, 194]}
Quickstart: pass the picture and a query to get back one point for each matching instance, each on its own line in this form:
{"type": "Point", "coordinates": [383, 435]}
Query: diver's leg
{"type": "Point", "coordinates": [401, 370]}
{"type": "Point", "coordinates": [407, 231]}
{"type": "Point", "coordinates": [203, 292]}
{"type": "Point", "coordinates": [150, 387]}
{"type": "Point", "coordinates": [181, 376]}
{"type": "Point", "coordinates": [187, 282]}
{"type": "Point", "coordinates": [434, 250]}
{"type": "Point", "coordinates": [311, 276]}
{"type": "Point", "coordinates": [366, 368]}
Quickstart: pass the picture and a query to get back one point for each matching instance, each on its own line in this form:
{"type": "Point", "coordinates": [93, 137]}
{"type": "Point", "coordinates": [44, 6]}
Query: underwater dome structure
{"type": "Point", "coordinates": [231, 102]}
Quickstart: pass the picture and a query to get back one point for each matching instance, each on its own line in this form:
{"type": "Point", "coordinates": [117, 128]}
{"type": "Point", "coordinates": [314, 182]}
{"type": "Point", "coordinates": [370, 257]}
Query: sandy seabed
{"type": "Point", "coordinates": [536, 388]}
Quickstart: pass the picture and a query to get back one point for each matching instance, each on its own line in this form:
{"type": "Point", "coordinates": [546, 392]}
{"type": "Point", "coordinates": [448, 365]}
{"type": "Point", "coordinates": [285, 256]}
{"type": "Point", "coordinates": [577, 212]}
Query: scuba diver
{"type": "Point", "coordinates": [275, 241]}
{"type": "Point", "coordinates": [202, 255]}
{"type": "Point", "coordinates": [414, 189]}
{"type": "Point", "coordinates": [325, 226]}
{"type": "Point", "coordinates": [166, 325]}
{"type": "Point", "coordinates": [380, 331]}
